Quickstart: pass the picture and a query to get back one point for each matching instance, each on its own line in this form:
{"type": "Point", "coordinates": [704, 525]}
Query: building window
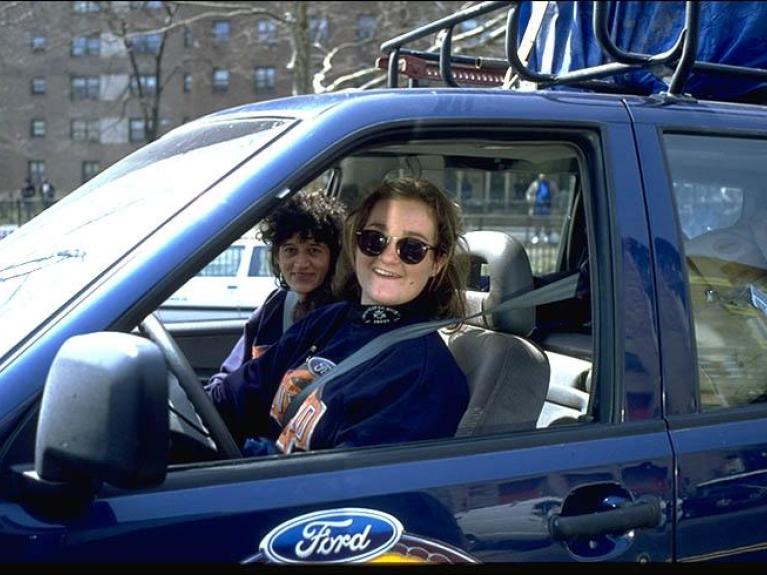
{"type": "Point", "coordinates": [39, 85]}
{"type": "Point", "coordinates": [221, 31]}
{"type": "Point", "coordinates": [85, 131]}
{"type": "Point", "coordinates": [137, 129]}
{"type": "Point", "coordinates": [220, 80]}
{"type": "Point", "coordinates": [146, 43]}
{"type": "Point", "coordinates": [37, 128]}
{"type": "Point", "coordinates": [148, 84]}
{"type": "Point", "coordinates": [318, 30]}
{"type": "Point", "coordinates": [39, 43]}
{"type": "Point", "coordinates": [86, 46]}
{"type": "Point", "coordinates": [187, 82]}
{"type": "Point", "coordinates": [188, 40]}
{"type": "Point", "coordinates": [366, 26]}
{"type": "Point", "coordinates": [86, 7]}
{"type": "Point", "coordinates": [85, 87]}
{"type": "Point", "coordinates": [266, 30]}
{"type": "Point", "coordinates": [90, 169]}
{"type": "Point", "coordinates": [265, 79]}
{"type": "Point", "coordinates": [36, 170]}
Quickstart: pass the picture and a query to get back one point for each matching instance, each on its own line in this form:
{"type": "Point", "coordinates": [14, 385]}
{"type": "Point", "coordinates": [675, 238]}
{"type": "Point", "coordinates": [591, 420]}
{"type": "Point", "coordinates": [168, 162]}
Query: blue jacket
{"type": "Point", "coordinates": [262, 329]}
{"type": "Point", "coordinates": [412, 390]}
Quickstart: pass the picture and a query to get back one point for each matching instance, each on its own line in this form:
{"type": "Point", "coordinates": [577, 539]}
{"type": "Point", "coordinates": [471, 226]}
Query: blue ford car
{"type": "Point", "coordinates": [625, 422]}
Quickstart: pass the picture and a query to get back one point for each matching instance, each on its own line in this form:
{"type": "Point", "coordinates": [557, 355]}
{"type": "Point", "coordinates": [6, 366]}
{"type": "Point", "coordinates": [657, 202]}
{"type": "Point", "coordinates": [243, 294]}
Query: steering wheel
{"type": "Point", "coordinates": [189, 383]}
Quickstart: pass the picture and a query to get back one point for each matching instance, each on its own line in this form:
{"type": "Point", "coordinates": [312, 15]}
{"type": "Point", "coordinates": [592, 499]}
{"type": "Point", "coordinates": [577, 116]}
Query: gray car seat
{"type": "Point", "coordinates": [508, 375]}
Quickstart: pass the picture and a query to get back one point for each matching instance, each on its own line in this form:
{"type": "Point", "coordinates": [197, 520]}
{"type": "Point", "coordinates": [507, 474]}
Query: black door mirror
{"type": "Point", "coordinates": [104, 413]}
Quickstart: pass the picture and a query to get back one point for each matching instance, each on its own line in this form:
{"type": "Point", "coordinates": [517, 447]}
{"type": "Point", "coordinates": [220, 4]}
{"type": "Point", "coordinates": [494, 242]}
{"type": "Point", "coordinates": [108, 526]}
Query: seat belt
{"type": "Point", "coordinates": [288, 308]}
{"type": "Point", "coordinates": [562, 289]}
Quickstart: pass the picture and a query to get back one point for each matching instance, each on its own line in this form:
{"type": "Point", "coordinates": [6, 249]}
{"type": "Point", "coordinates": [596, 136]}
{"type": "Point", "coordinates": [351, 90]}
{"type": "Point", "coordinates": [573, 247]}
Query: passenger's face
{"type": "Point", "coordinates": [304, 264]}
{"type": "Point", "coordinates": [385, 279]}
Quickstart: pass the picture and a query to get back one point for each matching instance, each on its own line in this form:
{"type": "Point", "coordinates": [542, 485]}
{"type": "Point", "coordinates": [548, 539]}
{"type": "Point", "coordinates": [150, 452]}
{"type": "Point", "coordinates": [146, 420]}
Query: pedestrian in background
{"type": "Point", "coordinates": [48, 193]}
{"type": "Point", "coordinates": [28, 193]}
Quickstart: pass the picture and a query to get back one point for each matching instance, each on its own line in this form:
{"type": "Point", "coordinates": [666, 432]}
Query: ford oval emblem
{"type": "Point", "coordinates": [335, 536]}
{"type": "Point", "coordinates": [319, 365]}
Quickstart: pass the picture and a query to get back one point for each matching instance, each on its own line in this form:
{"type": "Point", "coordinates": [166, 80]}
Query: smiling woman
{"type": "Point", "coordinates": [305, 239]}
{"type": "Point", "coordinates": [400, 266]}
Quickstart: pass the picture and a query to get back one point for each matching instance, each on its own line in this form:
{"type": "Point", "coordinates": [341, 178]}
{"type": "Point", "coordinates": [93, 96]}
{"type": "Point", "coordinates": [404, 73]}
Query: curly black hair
{"type": "Point", "coordinates": [312, 215]}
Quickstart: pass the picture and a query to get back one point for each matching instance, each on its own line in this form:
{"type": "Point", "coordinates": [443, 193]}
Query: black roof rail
{"type": "Point", "coordinates": [678, 62]}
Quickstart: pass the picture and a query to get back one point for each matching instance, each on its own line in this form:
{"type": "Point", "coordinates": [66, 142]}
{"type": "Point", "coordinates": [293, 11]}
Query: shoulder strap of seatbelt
{"type": "Point", "coordinates": [288, 308]}
{"type": "Point", "coordinates": [559, 290]}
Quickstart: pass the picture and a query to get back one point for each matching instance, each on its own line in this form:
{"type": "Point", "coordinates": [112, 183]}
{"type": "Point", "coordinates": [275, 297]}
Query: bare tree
{"type": "Point", "coordinates": [328, 49]}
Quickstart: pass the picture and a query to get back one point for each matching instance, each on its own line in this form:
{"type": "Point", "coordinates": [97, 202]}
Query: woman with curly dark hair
{"type": "Point", "coordinates": [305, 239]}
{"type": "Point", "coordinates": [402, 264]}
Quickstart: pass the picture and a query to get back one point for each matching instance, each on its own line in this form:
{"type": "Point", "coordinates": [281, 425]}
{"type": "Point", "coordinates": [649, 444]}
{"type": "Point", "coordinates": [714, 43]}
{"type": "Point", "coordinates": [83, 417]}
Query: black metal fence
{"type": "Point", "coordinates": [539, 234]}
{"type": "Point", "coordinates": [20, 211]}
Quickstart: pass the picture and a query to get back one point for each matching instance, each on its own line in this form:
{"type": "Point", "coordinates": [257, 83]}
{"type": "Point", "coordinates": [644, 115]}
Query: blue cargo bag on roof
{"type": "Point", "coordinates": [732, 33]}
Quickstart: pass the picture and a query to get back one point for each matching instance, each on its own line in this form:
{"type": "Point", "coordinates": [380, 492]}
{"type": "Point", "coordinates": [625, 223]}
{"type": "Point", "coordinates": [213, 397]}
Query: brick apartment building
{"type": "Point", "coordinates": [79, 80]}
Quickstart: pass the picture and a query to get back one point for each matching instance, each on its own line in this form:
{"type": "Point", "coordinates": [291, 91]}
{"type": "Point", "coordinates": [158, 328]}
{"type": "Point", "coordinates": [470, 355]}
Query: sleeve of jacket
{"type": "Point", "coordinates": [241, 351]}
{"type": "Point", "coordinates": [244, 396]}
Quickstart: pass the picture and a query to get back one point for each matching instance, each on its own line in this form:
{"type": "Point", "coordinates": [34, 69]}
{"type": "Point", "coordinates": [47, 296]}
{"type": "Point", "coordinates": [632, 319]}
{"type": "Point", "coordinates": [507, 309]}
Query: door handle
{"type": "Point", "coordinates": [643, 513]}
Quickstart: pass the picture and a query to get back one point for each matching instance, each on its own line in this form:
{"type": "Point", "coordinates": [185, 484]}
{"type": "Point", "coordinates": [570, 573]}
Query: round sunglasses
{"type": "Point", "coordinates": [410, 250]}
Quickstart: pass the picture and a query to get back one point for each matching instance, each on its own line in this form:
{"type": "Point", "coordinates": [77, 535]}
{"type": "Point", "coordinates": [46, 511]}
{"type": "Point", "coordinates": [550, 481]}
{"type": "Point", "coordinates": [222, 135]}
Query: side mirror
{"type": "Point", "coordinates": [104, 413]}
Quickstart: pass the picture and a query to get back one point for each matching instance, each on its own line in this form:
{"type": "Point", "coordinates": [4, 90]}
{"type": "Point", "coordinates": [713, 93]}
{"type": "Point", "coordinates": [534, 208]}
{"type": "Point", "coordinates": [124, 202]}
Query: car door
{"type": "Point", "coordinates": [703, 165]}
{"type": "Point", "coordinates": [596, 489]}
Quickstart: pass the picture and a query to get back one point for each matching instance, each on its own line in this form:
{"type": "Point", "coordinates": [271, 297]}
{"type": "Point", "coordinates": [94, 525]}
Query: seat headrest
{"type": "Point", "coordinates": [509, 271]}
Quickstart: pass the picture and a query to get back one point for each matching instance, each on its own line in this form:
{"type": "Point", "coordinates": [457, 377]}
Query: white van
{"type": "Point", "coordinates": [236, 282]}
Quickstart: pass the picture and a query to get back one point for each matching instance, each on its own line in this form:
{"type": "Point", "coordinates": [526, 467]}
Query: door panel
{"type": "Point", "coordinates": [722, 489]}
{"type": "Point", "coordinates": [717, 425]}
{"type": "Point", "coordinates": [206, 344]}
{"type": "Point", "coordinates": [493, 506]}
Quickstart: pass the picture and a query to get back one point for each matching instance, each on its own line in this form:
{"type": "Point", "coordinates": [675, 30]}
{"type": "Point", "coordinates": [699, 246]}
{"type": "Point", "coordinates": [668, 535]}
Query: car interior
{"type": "Point", "coordinates": [528, 368]}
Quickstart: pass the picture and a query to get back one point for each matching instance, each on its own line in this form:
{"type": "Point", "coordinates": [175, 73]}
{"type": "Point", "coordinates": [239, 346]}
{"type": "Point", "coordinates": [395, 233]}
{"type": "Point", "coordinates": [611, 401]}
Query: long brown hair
{"type": "Point", "coordinates": [443, 295]}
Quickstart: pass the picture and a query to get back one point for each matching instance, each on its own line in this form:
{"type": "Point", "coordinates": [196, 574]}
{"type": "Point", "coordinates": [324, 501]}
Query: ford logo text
{"type": "Point", "coordinates": [333, 536]}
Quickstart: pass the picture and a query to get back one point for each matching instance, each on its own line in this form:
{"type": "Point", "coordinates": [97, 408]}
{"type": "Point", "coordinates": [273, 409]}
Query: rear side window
{"type": "Point", "coordinates": [226, 263]}
{"type": "Point", "coordinates": [721, 204]}
{"type": "Point", "coordinates": [259, 263]}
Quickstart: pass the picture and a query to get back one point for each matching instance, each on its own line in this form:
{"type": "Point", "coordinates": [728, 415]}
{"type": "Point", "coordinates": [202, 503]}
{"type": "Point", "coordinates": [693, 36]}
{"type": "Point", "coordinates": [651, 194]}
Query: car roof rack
{"type": "Point", "coordinates": [457, 70]}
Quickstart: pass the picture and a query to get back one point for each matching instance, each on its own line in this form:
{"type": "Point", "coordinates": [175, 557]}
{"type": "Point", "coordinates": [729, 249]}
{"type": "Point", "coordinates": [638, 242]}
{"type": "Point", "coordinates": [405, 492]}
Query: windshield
{"type": "Point", "coordinates": [51, 259]}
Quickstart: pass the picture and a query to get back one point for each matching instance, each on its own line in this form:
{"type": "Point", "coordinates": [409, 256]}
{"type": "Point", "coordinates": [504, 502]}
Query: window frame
{"type": "Point", "coordinates": [137, 126]}
{"type": "Point", "coordinates": [87, 171]}
{"type": "Point", "coordinates": [587, 141]}
{"type": "Point", "coordinates": [264, 79]}
{"type": "Point", "coordinates": [39, 43]}
{"type": "Point", "coordinates": [217, 85]}
{"type": "Point", "coordinates": [85, 87]}
{"type": "Point", "coordinates": [34, 125]}
{"type": "Point", "coordinates": [85, 130]}
{"type": "Point", "coordinates": [221, 31]}
{"type": "Point", "coordinates": [36, 170]}
{"type": "Point", "coordinates": [715, 413]}
{"type": "Point", "coordinates": [38, 86]}
{"type": "Point", "coordinates": [148, 83]}
{"type": "Point", "coordinates": [366, 30]}
{"type": "Point", "coordinates": [266, 31]}
{"type": "Point", "coordinates": [148, 43]}
{"type": "Point", "coordinates": [82, 46]}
